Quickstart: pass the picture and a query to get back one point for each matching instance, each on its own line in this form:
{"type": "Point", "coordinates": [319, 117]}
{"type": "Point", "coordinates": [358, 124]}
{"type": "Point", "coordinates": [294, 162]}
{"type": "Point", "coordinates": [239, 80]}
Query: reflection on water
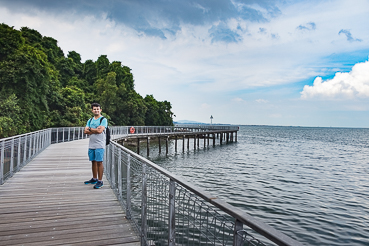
{"type": "Point", "coordinates": [310, 183]}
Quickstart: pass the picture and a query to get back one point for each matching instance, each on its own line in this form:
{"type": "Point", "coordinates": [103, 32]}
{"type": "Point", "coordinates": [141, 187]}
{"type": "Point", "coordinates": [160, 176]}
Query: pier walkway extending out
{"type": "Point", "coordinates": [222, 135]}
{"type": "Point", "coordinates": [47, 203]}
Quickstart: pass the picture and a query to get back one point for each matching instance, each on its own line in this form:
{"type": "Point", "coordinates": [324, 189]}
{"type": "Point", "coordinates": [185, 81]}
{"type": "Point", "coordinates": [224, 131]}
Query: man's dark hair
{"type": "Point", "coordinates": [95, 105]}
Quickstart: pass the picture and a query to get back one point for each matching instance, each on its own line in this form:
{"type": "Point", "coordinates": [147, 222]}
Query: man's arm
{"type": "Point", "coordinates": [97, 130]}
{"type": "Point", "coordinates": [87, 131]}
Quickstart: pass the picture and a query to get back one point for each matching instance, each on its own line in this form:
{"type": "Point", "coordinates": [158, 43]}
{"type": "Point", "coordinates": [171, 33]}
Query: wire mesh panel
{"type": "Point", "coordinates": [157, 207]}
{"type": "Point", "coordinates": [136, 191]}
{"type": "Point", "coordinates": [6, 158]}
{"type": "Point", "coordinates": [16, 151]}
{"type": "Point", "coordinates": [200, 224]}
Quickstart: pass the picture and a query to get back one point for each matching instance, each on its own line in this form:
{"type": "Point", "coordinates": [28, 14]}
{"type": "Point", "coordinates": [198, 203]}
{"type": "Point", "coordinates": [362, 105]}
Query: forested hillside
{"type": "Point", "coordinates": [41, 87]}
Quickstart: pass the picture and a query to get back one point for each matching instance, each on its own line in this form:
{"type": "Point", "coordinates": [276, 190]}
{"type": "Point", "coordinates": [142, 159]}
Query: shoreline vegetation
{"type": "Point", "coordinates": [40, 87]}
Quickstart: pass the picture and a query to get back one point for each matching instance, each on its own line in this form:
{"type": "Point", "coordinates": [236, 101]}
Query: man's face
{"type": "Point", "coordinates": [96, 111]}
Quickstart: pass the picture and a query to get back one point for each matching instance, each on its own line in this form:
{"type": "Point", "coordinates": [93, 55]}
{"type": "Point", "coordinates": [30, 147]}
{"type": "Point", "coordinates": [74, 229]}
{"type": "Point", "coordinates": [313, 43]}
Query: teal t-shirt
{"type": "Point", "coordinates": [97, 141]}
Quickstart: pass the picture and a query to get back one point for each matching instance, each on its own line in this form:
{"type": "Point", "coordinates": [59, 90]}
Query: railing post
{"type": "Point", "coordinates": [172, 219]}
{"type": "Point", "coordinates": [144, 206]}
{"type": "Point", "coordinates": [50, 135]}
{"type": "Point", "coordinates": [2, 162]}
{"type": "Point", "coordinates": [43, 137]}
{"type": "Point", "coordinates": [30, 147]}
{"type": "Point", "coordinates": [12, 158]}
{"type": "Point", "coordinates": [37, 141]}
{"type": "Point", "coordinates": [106, 162]}
{"type": "Point", "coordinates": [120, 174]}
{"type": "Point", "coordinates": [237, 238]}
{"type": "Point", "coordinates": [112, 164]}
{"type": "Point", "coordinates": [41, 141]}
{"type": "Point", "coordinates": [25, 150]}
{"type": "Point", "coordinates": [19, 152]}
{"type": "Point", "coordinates": [34, 147]}
{"type": "Point", "coordinates": [63, 134]}
{"type": "Point", "coordinates": [128, 209]}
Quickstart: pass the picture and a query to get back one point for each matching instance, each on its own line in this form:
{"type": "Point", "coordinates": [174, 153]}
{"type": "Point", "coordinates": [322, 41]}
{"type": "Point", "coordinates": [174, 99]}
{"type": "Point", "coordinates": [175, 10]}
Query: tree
{"type": "Point", "coordinates": [152, 117]}
{"type": "Point", "coordinates": [102, 65]}
{"type": "Point", "coordinates": [165, 113]}
{"type": "Point", "coordinates": [26, 73]}
{"type": "Point", "coordinates": [10, 41]}
{"type": "Point", "coordinates": [10, 120]}
{"type": "Point", "coordinates": [89, 72]}
{"type": "Point", "coordinates": [107, 93]}
{"type": "Point", "coordinates": [40, 87]}
{"type": "Point", "coordinates": [134, 109]}
{"type": "Point", "coordinates": [76, 61]}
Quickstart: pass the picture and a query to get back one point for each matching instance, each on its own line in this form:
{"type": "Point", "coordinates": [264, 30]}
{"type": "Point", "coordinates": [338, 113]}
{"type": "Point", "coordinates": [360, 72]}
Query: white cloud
{"type": "Point", "coordinates": [351, 85]}
{"type": "Point", "coordinates": [261, 101]}
{"type": "Point", "coordinates": [237, 99]}
{"type": "Point", "coordinates": [205, 106]}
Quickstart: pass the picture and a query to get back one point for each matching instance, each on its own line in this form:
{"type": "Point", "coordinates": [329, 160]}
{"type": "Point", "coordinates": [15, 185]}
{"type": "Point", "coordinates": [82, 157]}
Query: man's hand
{"type": "Point", "coordinates": [87, 130]}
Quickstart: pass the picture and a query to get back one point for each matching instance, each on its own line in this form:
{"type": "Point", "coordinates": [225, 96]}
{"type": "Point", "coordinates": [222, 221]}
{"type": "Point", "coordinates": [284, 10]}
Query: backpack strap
{"type": "Point", "coordinates": [106, 122]}
{"type": "Point", "coordinates": [102, 119]}
{"type": "Point", "coordinates": [89, 122]}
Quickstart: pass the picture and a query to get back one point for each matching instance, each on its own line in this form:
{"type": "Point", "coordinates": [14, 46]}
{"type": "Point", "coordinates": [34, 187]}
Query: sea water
{"type": "Point", "coordinates": [312, 184]}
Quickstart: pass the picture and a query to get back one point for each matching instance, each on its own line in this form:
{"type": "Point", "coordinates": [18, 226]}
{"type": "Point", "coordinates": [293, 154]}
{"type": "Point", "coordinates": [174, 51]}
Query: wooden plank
{"type": "Point", "coordinates": [47, 203]}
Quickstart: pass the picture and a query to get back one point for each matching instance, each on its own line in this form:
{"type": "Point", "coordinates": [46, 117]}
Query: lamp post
{"type": "Point", "coordinates": [211, 120]}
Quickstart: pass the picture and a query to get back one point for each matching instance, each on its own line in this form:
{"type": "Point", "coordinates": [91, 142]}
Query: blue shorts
{"type": "Point", "coordinates": [96, 154]}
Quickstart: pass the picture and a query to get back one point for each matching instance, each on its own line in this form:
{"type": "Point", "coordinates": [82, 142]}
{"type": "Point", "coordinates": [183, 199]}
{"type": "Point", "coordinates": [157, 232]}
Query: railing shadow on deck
{"type": "Point", "coordinates": [165, 209]}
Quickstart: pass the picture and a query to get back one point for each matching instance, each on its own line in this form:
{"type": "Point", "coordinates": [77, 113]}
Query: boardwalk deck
{"type": "Point", "coordinates": [46, 203]}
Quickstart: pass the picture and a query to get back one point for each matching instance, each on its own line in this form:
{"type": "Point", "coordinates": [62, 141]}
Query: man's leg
{"type": "Point", "coordinates": [94, 169]}
{"type": "Point", "coordinates": [91, 155]}
{"type": "Point", "coordinates": [100, 169]}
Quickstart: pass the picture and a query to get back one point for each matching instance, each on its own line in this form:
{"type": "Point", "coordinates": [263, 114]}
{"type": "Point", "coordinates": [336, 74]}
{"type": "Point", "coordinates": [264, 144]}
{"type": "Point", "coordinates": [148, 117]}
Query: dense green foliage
{"type": "Point", "coordinates": [41, 88]}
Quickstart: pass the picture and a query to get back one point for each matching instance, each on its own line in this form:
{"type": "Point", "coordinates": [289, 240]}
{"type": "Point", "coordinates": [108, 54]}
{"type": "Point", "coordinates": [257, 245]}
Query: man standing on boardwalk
{"type": "Point", "coordinates": [95, 127]}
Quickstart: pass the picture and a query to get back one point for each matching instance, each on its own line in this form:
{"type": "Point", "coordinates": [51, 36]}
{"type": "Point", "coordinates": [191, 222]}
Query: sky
{"type": "Point", "coordinates": [245, 62]}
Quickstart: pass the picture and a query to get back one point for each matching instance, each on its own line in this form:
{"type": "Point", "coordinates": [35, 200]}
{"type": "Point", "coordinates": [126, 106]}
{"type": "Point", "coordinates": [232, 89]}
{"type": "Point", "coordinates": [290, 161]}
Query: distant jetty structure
{"type": "Point", "coordinates": [180, 132]}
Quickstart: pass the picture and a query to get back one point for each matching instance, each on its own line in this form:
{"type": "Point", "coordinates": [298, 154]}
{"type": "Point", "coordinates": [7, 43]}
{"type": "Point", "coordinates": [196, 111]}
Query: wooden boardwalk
{"type": "Point", "coordinates": [47, 203]}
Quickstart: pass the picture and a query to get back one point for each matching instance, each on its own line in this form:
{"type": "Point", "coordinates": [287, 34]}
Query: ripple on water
{"type": "Point", "coordinates": [310, 183]}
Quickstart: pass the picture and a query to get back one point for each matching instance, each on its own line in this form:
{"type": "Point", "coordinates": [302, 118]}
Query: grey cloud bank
{"type": "Point", "coordinates": [154, 18]}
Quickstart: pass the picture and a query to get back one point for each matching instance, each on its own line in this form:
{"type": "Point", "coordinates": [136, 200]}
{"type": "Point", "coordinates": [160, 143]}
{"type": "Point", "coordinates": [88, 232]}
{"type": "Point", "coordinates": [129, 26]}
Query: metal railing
{"type": "Point", "coordinates": [164, 208]}
{"type": "Point", "coordinates": [17, 151]}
